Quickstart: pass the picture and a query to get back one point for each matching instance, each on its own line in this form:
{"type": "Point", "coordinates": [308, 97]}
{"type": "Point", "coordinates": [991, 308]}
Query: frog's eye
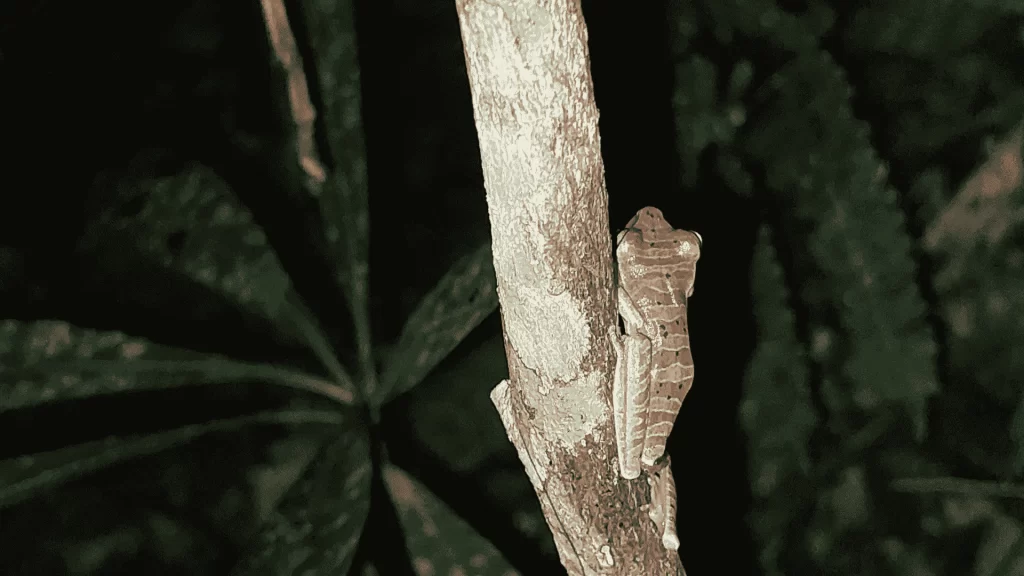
{"type": "Point", "coordinates": [700, 241]}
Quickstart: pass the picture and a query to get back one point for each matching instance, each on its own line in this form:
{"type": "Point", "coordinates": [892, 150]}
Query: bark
{"type": "Point", "coordinates": [536, 120]}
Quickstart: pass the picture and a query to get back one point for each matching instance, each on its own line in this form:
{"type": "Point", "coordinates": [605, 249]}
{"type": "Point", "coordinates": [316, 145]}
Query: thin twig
{"type": "Point", "coordinates": [303, 113]}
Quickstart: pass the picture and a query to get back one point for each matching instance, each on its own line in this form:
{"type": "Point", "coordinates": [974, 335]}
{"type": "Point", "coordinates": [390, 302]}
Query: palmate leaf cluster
{"type": "Point", "coordinates": [194, 227]}
{"type": "Point", "coordinates": [887, 306]}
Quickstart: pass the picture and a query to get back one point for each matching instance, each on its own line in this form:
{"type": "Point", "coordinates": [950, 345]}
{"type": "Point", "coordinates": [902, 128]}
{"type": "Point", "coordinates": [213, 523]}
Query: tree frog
{"type": "Point", "coordinates": [654, 367]}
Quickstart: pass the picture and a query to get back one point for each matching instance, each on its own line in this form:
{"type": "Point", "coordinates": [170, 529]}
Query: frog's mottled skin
{"type": "Point", "coordinates": [654, 368]}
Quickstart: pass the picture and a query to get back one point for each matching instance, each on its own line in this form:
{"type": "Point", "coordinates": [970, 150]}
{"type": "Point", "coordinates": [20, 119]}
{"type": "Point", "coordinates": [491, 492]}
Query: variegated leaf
{"type": "Point", "coordinates": [26, 476]}
{"type": "Point", "coordinates": [344, 197]}
{"type": "Point", "coordinates": [193, 223]}
{"type": "Point", "coordinates": [457, 304]}
{"type": "Point", "coordinates": [53, 361]}
{"type": "Point", "coordinates": [439, 542]}
{"type": "Point", "coordinates": [317, 526]}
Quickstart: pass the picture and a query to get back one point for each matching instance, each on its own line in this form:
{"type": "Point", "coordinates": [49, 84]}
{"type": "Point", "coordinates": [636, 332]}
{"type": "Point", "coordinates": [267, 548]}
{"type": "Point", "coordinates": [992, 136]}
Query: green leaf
{"type": "Point", "coordinates": [740, 79]}
{"type": "Point", "coordinates": [951, 485]}
{"type": "Point", "coordinates": [344, 198]}
{"type": "Point", "coordinates": [1002, 550]}
{"type": "Point", "coordinates": [465, 444]}
{"type": "Point", "coordinates": [903, 558]}
{"type": "Point", "coordinates": [192, 222]}
{"type": "Point", "coordinates": [52, 361]}
{"type": "Point", "coordinates": [1017, 434]}
{"type": "Point", "coordinates": [26, 476]}
{"type": "Point", "coordinates": [901, 27]}
{"type": "Point", "coordinates": [439, 542]}
{"type": "Point", "coordinates": [776, 411]}
{"type": "Point", "coordinates": [762, 19]}
{"type": "Point", "coordinates": [446, 315]}
{"type": "Point", "coordinates": [317, 526]}
{"type": "Point", "coordinates": [857, 265]}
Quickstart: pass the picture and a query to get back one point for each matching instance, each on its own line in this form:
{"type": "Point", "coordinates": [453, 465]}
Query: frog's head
{"type": "Point", "coordinates": [649, 246]}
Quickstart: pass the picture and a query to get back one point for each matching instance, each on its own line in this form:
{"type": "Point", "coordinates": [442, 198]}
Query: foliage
{"type": "Point", "coordinates": [776, 412]}
{"type": "Point", "coordinates": [885, 285]}
{"type": "Point", "coordinates": [439, 541]}
{"type": "Point", "coordinates": [195, 225]}
{"type": "Point", "coordinates": [843, 317]}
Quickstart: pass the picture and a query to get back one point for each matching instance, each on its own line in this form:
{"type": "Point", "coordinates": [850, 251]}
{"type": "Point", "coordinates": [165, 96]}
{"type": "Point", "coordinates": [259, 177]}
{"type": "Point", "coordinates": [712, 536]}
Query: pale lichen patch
{"type": "Point", "coordinates": [530, 311]}
{"type": "Point", "coordinates": [583, 409]}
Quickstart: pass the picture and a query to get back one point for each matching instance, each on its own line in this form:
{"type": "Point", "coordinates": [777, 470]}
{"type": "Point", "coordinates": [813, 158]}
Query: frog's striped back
{"type": "Point", "coordinates": [657, 267]}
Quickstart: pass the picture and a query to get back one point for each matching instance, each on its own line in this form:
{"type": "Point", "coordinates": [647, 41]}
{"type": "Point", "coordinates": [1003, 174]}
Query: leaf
{"type": "Point", "coordinates": [1002, 551]}
{"type": "Point", "coordinates": [857, 265]}
{"type": "Point", "coordinates": [1017, 434]}
{"type": "Point", "coordinates": [439, 542]}
{"type": "Point", "coordinates": [739, 79]}
{"type": "Point", "coordinates": [26, 476]}
{"type": "Point", "coordinates": [701, 121]}
{"type": "Point", "coordinates": [53, 361]}
{"type": "Point", "coordinates": [776, 411]}
{"type": "Point", "coordinates": [953, 485]}
{"type": "Point", "coordinates": [901, 27]}
{"type": "Point", "coordinates": [344, 201]}
{"type": "Point", "coordinates": [762, 20]}
{"type": "Point", "coordinates": [317, 526]}
{"type": "Point", "coordinates": [446, 315]}
{"type": "Point", "coordinates": [903, 558]}
{"type": "Point", "coordinates": [462, 444]}
{"type": "Point", "coordinates": [193, 223]}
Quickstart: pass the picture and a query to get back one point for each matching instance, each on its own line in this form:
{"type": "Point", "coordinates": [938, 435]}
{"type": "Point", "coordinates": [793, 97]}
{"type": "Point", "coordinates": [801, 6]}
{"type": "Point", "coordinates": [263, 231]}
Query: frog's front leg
{"type": "Point", "coordinates": [663, 503]}
{"type": "Point", "coordinates": [630, 396]}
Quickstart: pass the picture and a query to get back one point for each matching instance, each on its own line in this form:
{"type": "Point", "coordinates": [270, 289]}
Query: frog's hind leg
{"type": "Point", "coordinates": [663, 504]}
{"type": "Point", "coordinates": [630, 395]}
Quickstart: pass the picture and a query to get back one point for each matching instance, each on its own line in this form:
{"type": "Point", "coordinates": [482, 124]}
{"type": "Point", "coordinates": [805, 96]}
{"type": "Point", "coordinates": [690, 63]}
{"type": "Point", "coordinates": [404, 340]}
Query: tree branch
{"type": "Point", "coordinates": [537, 124]}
